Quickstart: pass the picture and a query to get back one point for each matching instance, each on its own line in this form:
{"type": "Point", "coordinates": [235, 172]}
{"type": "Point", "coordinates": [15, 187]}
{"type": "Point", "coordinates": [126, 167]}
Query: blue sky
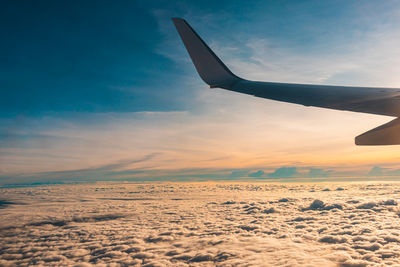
{"type": "Point", "coordinates": [94, 84]}
{"type": "Point", "coordinates": [100, 56]}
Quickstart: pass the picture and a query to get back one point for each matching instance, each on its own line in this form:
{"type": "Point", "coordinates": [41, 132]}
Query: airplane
{"type": "Point", "coordinates": [372, 100]}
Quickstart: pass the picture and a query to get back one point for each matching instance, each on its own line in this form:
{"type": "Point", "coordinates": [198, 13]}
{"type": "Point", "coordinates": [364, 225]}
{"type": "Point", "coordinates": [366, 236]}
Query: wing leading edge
{"type": "Point", "coordinates": [373, 100]}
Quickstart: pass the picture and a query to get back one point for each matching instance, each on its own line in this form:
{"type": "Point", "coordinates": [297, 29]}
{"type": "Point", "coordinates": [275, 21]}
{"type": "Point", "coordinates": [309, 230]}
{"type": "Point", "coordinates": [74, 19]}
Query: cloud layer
{"type": "Point", "coordinates": [181, 224]}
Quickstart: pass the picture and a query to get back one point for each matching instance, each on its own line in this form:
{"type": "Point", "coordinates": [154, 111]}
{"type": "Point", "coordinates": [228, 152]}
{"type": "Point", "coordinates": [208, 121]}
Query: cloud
{"type": "Point", "coordinates": [315, 172]}
{"type": "Point", "coordinates": [155, 224]}
{"type": "Point", "coordinates": [256, 174]}
{"type": "Point", "coordinates": [107, 171]}
{"type": "Point", "coordinates": [377, 171]}
{"type": "Point", "coordinates": [284, 172]}
{"type": "Point", "coordinates": [5, 203]}
{"type": "Point", "coordinates": [239, 173]}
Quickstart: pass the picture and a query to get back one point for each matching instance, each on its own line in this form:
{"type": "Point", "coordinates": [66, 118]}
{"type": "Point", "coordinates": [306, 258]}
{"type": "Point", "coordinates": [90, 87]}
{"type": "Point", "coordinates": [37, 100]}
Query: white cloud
{"type": "Point", "coordinates": [167, 224]}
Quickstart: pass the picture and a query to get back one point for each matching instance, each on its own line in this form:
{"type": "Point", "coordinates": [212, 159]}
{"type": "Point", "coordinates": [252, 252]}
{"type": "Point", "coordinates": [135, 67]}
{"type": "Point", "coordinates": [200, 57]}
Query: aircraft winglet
{"type": "Point", "coordinates": [210, 68]}
{"type": "Point", "coordinates": [386, 134]}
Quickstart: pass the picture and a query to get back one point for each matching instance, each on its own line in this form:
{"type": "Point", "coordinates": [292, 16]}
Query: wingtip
{"type": "Point", "coordinates": [177, 19]}
{"type": "Point", "coordinates": [210, 68]}
{"type": "Point", "coordinates": [357, 141]}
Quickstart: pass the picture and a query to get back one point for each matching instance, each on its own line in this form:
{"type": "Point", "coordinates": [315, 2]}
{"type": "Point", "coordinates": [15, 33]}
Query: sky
{"type": "Point", "coordinates": [102, 90]}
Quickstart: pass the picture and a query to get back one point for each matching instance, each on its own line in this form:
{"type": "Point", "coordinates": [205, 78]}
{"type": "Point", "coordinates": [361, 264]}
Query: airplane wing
{"type": "Point", "coordinates": [373, 100]}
